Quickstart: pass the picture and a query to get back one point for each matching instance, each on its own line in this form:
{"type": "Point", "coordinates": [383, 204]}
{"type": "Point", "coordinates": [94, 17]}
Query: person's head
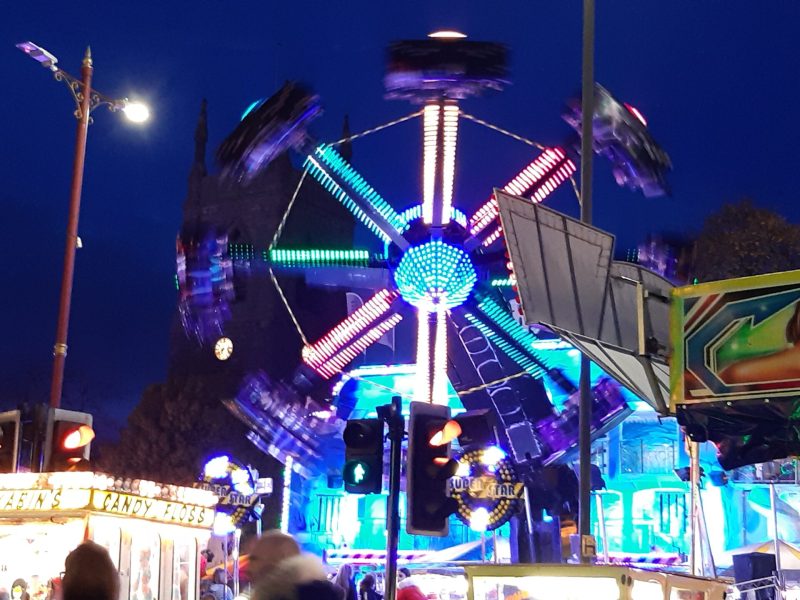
{"type": "Point", "coordinates": [402, 573]}
{"type": "Point", "coordinates": [343, 576]}
{"type": "Point", "coordinates": [793, 326]}
{"type": "Point", "coordinates": [367, 582]}
{"type": "Point", "coordinates": [89, 574]}
{"type": "Point", "coordinates": [219, 576]}
{"type": "Point", "coordinates": [18, 589]}
{"type": "Point", "coordinates": [269, 550]}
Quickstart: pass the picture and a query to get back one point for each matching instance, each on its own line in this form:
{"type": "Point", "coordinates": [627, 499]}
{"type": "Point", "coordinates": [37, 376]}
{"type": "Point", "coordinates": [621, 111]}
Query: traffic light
{"type": "Point", "coordinates": [363, 463]}
{"type": "Point", "coordinates": [68, 440]}
{"type": "Point", "coordinates": [9, 440]}
{"type": "Point", "coordinates": [429, 467]}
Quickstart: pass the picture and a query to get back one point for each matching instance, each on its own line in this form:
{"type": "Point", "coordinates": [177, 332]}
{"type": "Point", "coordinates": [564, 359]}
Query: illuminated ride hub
{"type": "Point", "coordinates": [435, 270]}
{"type": "Point", "coordinates": [435, 276]}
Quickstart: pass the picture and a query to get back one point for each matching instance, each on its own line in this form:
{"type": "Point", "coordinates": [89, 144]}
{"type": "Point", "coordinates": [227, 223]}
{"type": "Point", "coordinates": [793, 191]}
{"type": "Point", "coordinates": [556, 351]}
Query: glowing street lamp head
{"type": "Point", "coordinates": [45, 58]}
{"type": "Point", "coordinates": [447, 34]}
{"type": "Point", "coordinates": [136, 112]}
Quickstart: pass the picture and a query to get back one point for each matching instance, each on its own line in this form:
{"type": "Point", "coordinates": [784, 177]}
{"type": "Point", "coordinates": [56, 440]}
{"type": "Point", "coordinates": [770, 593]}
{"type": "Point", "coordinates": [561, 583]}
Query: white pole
{"type": "Point", "coordinates": [237, 535]}
{"type": "Point", "coordinates": [601, 517]}
{"type": "Point", "coordinates": [706, 539]}
{"type": "Point", "coordinates": [773, 501]}
{"type": "Point", "coordinates": [694, 482]}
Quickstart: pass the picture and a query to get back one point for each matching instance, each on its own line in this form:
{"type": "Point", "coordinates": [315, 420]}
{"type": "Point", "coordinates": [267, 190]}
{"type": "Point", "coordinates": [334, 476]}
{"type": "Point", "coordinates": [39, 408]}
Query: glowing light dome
{"type": "Point", "coordinates": [435, 276]}
{"type": "Point", "coordinates": [447, 34]}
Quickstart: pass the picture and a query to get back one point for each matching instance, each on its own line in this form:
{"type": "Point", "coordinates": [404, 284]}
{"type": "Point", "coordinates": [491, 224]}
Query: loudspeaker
{"type": "Point", "coordinates": [755, 565]}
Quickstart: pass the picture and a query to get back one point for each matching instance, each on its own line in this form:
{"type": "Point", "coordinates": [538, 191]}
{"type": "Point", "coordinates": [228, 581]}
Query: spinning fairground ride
{"type": "Point", "coordinates": [443, 272]}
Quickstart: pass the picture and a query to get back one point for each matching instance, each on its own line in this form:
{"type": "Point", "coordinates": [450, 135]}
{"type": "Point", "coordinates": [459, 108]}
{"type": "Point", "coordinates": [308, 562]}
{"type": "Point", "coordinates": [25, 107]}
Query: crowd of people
{"type": "Point", "coordinates": [277, 570]}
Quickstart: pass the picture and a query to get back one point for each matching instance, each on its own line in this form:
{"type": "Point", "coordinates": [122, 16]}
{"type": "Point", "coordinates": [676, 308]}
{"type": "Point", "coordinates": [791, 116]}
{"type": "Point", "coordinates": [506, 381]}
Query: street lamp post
{"type": "Point", "coordinates": [585, 402]}
{"type": "Point", "coordinates": [86, 100]}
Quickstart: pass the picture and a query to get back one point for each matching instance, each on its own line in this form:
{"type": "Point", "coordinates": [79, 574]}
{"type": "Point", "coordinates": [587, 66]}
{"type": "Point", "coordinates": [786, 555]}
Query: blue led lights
{"type": "Point", "coordinates": [251, 108]}
{"type": "Point", "coordinates": [325, 159]}
{"type": "Point", "coordinates": [326, 181]}
{"type": "Point", "coordinates": [508, 335]}
{"type": "Point", "coordinates": [435, 276]}
{"type": "Point", "coordinates": [414, 213]}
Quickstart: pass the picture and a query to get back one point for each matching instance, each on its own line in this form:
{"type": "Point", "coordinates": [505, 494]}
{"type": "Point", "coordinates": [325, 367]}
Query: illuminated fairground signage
{"type": "Point", "coordinates": [153, 509]}
{"type": "Point", "coordinates": [61, 492]}
{"type": "Point", "coordinates": [486, 488]}
{"type": "Point", "coordinates": [737, 339]}
{"type": "Point", "coordinates": [43, 500]}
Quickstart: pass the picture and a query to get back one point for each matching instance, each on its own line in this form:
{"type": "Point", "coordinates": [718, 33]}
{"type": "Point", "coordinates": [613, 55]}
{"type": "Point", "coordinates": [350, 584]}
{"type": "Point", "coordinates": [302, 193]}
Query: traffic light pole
{"type": "Point", "coordinates": [393, 415]}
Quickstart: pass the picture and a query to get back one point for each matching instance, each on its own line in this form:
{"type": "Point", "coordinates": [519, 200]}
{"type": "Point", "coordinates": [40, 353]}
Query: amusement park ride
{"type": "Point", "coordinates": [446, 272]}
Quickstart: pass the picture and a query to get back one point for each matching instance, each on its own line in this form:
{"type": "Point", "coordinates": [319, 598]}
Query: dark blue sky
{"type": "Point", "coordinates": [717, 81]}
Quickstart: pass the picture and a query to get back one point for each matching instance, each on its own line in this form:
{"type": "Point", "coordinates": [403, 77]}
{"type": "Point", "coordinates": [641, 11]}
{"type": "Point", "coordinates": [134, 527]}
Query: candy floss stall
{"type": "Point", "coordinates": [153, 532]}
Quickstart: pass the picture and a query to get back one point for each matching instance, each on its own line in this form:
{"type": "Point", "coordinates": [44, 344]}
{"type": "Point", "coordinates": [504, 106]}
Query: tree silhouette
{"type": "Point", "coordinates": [743, 239]}
{"type": "Point", "coordinates": [175, 428]}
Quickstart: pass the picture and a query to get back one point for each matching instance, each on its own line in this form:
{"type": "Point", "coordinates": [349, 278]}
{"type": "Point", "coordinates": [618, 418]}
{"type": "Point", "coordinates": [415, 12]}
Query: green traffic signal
{"type": "Point", "coordinates": [356, 472]}
{"type": "Point", "coordinates": [363, 463]}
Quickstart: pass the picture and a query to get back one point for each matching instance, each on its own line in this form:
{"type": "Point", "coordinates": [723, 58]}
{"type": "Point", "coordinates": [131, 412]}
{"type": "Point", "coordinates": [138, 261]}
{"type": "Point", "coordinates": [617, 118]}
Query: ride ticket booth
{"type": "Point", "coordinates": [580, 582]}
{"type": "Point", "coordinates": [153, 532]}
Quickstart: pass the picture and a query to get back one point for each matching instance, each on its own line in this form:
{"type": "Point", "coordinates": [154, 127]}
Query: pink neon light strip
{"type": "Point", "coordinates": [340, 360]}
{"type": "Point", "coordinates": [547, 172]}
{"type": "Point", "coordinates": [319, 352]}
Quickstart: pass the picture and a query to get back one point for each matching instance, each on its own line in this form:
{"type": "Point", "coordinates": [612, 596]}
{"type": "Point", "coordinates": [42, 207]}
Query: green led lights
{"type": "Point", "coordinates": [311, 257]}
{"type": "Point", "coordinates": [241, 252]}
{"type": "Point", "coordinates": [502, 282]}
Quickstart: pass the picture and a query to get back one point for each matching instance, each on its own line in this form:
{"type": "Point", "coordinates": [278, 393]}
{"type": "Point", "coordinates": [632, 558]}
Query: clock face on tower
{"type": "Point", "coordinates": [223, 348]}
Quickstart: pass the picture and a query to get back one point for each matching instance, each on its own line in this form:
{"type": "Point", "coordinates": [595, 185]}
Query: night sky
{"type": "Point", "coordinates": [716, 81]}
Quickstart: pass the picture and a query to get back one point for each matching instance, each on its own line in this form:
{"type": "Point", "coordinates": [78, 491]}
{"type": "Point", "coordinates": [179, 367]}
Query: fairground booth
{"type": "Point", "coordinates": [153, 532]}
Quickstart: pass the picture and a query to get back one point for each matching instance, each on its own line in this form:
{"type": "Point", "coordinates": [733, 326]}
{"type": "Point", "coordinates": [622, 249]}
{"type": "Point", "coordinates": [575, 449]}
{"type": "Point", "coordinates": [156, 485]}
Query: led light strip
{"type": "Point", "coordinates": [449, 159]}
{"type": "Point", "coordinates": [502, 282]}
{"type": "Point", "coordinates": [546, 173]}
{"type": "Point", "coordinates": [327, 182]}
{"type": "Point", "coordinates": [415, 212]}
{"type": "Point", "coordinates": [317, 353]}
{"type": "Point", "coordinates": [551, 183]}
{"type": "Point", "coordinates": [544, 189]}
{"type": "Point", "coordinates": [509, 349]}
{"type": "Point", "coordinates": [312, 256]}
{"type": "Point", "coordinates": [440, 360]}
{"type": "Point", "coordinates": [430, 145]}
{"type": "Point", "coordinates": [353, 178]}
{"type": "Point", "coordinates": [287, 492]}
{"type": "Point", "coordinates": [422, 388]}
{"type": "Point", "coordinates": [514, 330]}
{"type": "Point", "coordinates": [340, 360]}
